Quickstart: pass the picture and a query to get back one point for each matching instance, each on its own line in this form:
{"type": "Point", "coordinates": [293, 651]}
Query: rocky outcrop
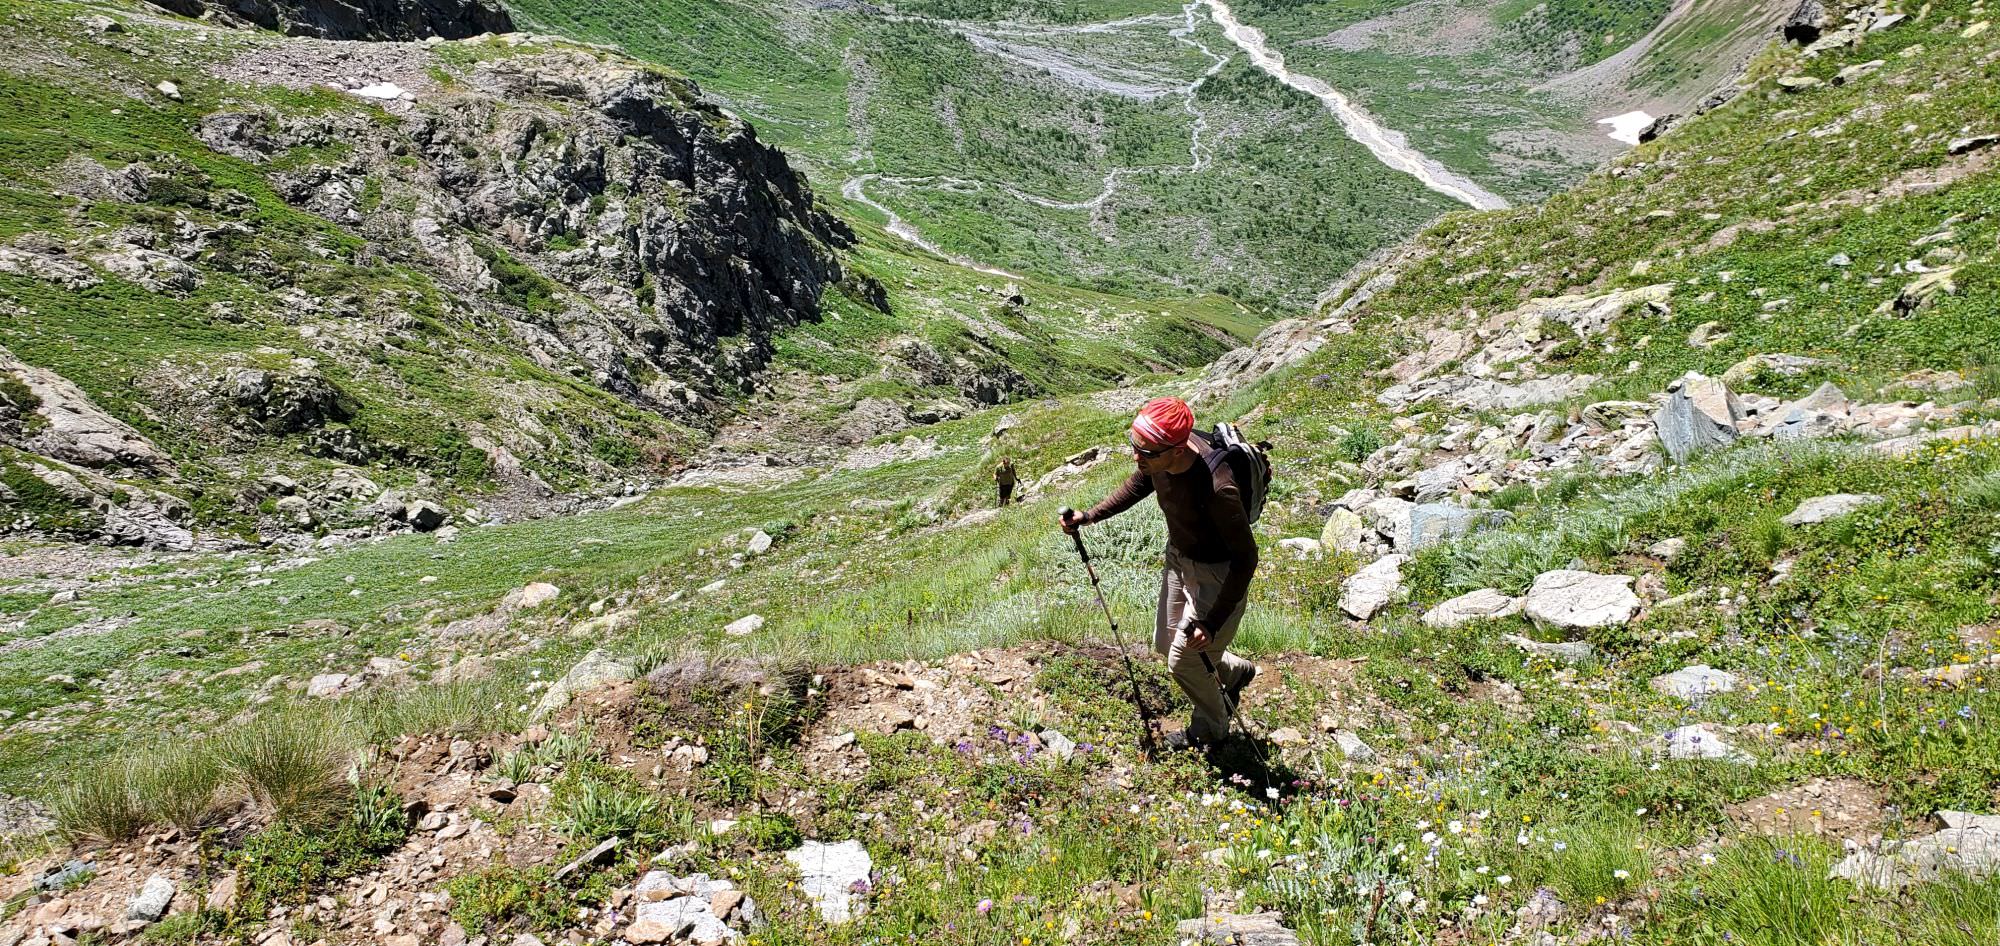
{"type": "Point", "coordinates": [356, 19]}
{"type": "Point", "coordinates": [42, 412]}
{"type": "Point", "coordinates": [626, 231]}
{"type": "Point", "coordinates": [58, 498]}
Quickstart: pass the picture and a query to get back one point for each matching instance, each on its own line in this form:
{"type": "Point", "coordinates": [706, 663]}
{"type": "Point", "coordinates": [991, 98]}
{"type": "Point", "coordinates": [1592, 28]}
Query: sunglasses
{"type": "Point", "coordinates": [1151, 454]}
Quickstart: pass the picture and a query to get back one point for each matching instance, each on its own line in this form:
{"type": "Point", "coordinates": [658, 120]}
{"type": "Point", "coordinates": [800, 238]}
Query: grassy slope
{"type": "Point", "coordinates": [410, 393]}
{"type": "Point", "coordinates": [931, 104]}
{"type": "Point", "coordinates": [1554, 798]}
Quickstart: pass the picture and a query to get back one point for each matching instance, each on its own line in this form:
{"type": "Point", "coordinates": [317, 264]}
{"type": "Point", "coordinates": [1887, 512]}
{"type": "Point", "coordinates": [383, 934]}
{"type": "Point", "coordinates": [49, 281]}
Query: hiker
{"type": "Point", "coordinates": [1003, 477]}
{"type": "Point", "coordinates": [1210, 558]}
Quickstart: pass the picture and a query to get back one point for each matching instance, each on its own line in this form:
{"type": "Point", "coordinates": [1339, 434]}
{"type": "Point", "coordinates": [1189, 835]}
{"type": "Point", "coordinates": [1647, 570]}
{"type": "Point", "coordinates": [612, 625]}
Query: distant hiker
{"type": "Point", "coordinates": [1211, 489]}
{"type": "Point", "coordinates": [1004, 478]}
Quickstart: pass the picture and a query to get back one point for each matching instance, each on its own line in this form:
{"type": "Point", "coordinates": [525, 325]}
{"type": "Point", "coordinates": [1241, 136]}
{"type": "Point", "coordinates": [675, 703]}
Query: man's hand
{"type": "Point", "coordinates": [1070, 520]}
{"type": "Point", "coordinates": [1197, 634]}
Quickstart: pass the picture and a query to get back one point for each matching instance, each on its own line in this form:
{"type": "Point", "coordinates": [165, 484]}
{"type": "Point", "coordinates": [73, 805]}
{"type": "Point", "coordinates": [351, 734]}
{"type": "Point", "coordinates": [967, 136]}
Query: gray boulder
{"type": "Point", "coordinates": [1371, 589]}
{"type": "Point", "coordinates": [1484, 604]}
{"type": "Point", "coordinates": [1700, 413]}
{"type": "Point", "coordinates": [1804, 25]}
{"type": "Point", "coordinates": [1822, 508]}
{"type": "Point", "coordinates": [152, 901]}
{"type": "Point", "coordinates": [596, 669]}
{"type": "Point", "coordinates": [1773, 364]}
{"type": "Point", "coordinates": [1823, 413]}
{"type": "Point", "coordinates": [1432, 523]}
{"type": "Point", "coordinates": [1576, 600]}
{"type": "Point", "coordinates": [1969, 845]}
{"type": "Point", "coordinates": [57, 419]}
{"type": "Point", "coordinates": [151, 269]}
{"type": "Point", "coordinates": [425, 516]}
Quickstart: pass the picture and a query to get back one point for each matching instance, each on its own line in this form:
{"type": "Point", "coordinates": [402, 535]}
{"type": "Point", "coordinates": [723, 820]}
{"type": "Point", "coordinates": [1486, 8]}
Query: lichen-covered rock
{"type": "Point", "coordinates": [1700, 413]}
{"type": "Point", "coordinates": [1484, 604]}
{"type": "Point", "coordinates": [1575, 600]}
{"type": "Point", "coordinates": [55, 418]}
{"type": "Point", "coordinates": [1371, 589]}
{"type": "Point", "coordinates": [596, 669]}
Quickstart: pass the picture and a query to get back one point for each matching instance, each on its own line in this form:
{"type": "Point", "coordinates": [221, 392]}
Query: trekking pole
{"type": "Point", "coordinates": [1236, 722]}
{"type": "Point", "coordinates": [1138, 699]}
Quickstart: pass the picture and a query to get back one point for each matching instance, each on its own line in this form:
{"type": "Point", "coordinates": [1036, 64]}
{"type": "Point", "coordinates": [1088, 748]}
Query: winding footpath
{"type": "Point", "coordinates": [1388, 147]}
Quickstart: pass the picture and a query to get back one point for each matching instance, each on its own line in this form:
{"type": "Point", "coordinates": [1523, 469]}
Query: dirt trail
{"type": "Point", "coordinates": [1096, 77]}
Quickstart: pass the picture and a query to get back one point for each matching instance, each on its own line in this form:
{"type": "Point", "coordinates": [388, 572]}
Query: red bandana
{"type": "Point", "coordinates": [1164, 422]}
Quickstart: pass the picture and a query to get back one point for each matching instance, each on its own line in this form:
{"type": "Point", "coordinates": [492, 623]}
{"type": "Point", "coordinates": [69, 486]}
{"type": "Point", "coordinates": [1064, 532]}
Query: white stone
{"type": "Point", "coordinates": [1353, 747]}
{"type": "Point", "coordinates": [1700, 741]}
{"type": "Point", "coordinates": [828, 874]}
{"type": "Point", "coordinates": [533, 595]}
{"type": "Point", "coordinates": [382, 91]}
{"type": "Point", "coordinates": [1569, 652]}
{"type": "Point", "coordinates": [1369, 590]}
{"type": "Point", "coordinates": [1574, 600]}
{"type": "Point", "coordinates": [1300, 547]}
{"type": "Point", "coordinates": [1484, 604]}
{"type": "Point", "coordinates": [328, 685]}
{"type": "Point", "coordinates": [1822, 508]}
{"type": "Point", "coordinates": [169, 90]}
{"type": "Point", "coordinates": [759, 543]}
{"type": "Point", "coordinates": [745, 625]}
{"type": "Point", "coordinates": [1058, 745]}
{"type": "Point", "coordinates": [692, 917]}
{"type": "Point", "coordinates": [152, 901]}
{"type": "Point", "coordinates": [1694, 684]}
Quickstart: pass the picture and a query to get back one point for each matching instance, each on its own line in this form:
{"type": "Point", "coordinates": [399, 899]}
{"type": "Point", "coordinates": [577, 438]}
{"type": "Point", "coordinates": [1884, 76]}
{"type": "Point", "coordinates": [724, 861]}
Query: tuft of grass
{"type": "Point", "coordinates": [539, 762]}
{"type": "Point", "coordinates": [182, 786]}
{"type": "Point", "coordinates": [465, 709]}
{"type": "Point", "coordinates": [1593, 861]}
{"type": "Point", "coordinates": [101, 804]}
{"type": "Point", "coordinates": [589, 807]}
{"type": "Point", "coordinates": [293, 764]}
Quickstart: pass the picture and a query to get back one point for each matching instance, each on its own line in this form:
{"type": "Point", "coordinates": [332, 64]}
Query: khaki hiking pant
{"type": "Point", "coordinates": [1188, 588]}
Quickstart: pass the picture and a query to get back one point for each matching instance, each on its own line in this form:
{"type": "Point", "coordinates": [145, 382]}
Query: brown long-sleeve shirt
{"type": "Point", "coordinates": [1205, 521]}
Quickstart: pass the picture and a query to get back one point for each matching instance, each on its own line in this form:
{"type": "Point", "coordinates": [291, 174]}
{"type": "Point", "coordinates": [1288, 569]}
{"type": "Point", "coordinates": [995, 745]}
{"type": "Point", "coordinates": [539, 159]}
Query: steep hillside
{"type": "Point", "coordinates": [354, 19]}
{"type": "Point", "coordinates": [1629, 576]}
{"type": "Point", "coordinates": [1140, 145]}
{"type": "Point", "coordinates": [310, 285]}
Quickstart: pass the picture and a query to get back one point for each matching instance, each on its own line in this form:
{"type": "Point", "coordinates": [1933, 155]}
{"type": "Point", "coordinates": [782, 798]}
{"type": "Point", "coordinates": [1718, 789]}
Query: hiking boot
{"type": "Point", "coordinates": [1234, 692]}
{"type": "Point", "coordinates": [1179, 741]}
